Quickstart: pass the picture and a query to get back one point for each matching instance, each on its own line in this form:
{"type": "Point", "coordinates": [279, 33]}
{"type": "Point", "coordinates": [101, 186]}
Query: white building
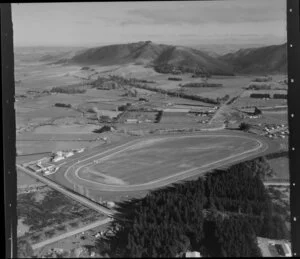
{"type": "Point", "coordinates": [287, 250]}
{"type": "Point", "coordinates": [131, 121]}
{"type": "Point", "coordinates": [59, 153]}
{"type": "Point", "coordinates": [57, 158]}
{"type": "Point", "coordinates": [68, 154]}
{"type": "Point", "coordinates": [110, 204]}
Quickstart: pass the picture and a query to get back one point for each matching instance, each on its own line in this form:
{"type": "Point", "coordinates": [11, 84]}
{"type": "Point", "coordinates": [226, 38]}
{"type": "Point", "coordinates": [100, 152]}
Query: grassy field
{"type": "Point", "coordinates": [146, 163]}
{"type": "Point", "coordinates": [281, 116]}
{"type": "Point", "coordinates": [280, 167]}
{"type": "Point", "coordinates": [247, 101]}
{"type": "Point", "coordinates": [231, 86]}
{"type": "Point", "coordinates": [29, 147]}
{"type": "Point", "coordinates": [24, 179]}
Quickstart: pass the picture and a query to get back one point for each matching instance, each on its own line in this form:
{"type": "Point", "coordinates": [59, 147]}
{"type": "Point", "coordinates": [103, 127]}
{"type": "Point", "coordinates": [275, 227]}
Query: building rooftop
{"type": "Point", "coordinates": [192, 254]}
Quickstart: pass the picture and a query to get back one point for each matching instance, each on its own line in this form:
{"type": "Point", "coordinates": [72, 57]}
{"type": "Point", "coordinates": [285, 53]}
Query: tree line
{"type": "Point", "coordinates": [219, 215]}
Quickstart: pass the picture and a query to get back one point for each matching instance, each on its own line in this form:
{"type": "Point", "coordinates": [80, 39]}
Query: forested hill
{"type": "Point", "coordinates": [221, 216]}
{"type": "Point", "coordinates": [270, 59]}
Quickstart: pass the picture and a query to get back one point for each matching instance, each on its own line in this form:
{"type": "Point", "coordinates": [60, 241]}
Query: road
{"type": "Point", "coordinates": [93, 205]}
{"type": "Point", "coordinates": [277, 183]}
{"type": "Point", "coordinates": [71, 233]}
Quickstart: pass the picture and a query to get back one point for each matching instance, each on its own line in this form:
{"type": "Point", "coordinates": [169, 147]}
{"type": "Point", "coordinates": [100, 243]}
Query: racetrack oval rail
{"type": "Point", "coordinates": [73, 177]}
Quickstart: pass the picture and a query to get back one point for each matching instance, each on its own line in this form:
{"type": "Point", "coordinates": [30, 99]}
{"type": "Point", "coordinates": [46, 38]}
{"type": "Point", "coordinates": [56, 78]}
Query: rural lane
{"type": "Point", "coordinates": [71, 233]}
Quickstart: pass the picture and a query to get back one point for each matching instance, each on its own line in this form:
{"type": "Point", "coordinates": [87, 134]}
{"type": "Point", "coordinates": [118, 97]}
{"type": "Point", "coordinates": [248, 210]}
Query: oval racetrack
{"type": "Point", "coordinates": [158, 161]}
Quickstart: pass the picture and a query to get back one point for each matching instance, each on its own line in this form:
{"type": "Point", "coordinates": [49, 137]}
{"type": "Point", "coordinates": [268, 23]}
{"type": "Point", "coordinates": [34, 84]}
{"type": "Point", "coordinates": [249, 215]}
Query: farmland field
{"type": "Point", "coordinates": [247, 101]}
{"type": "Point", "coordinates": [280, 167]}
{"type": "Point", "coordinates": [276, 115]}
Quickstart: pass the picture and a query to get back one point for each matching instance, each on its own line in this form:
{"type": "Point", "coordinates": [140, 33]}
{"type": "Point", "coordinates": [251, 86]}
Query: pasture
{"type": "Point", "coordinates": [280, 167]}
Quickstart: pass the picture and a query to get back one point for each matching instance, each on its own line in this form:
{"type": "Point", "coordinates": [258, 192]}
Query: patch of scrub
{"type": "Point", "coordinates": [40, 195]}
{"type": "Point", "coordinates": [103, 177]}
{"type": "Point", "coordinates": [21, 228]}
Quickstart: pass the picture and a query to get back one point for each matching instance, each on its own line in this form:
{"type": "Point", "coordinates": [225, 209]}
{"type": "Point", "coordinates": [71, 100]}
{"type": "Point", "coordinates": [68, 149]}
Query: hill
{"type": "Point", "coordinates": [149, 53]}
{"type": "Point", "coordinates": [270, 59]}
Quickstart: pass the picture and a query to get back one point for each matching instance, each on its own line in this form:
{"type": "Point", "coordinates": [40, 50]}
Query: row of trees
{"type": "Point", "coordinates": [202, 85]}
{"type": "Point", "coordinates": [275, 96]}
{"type": "Point", "coordinates": [220, 215]}
{"type": "Point", "coordinates": [63, 105]}
{"type": "Point", "coordinates": [70, 89]}
{"type": "Point", "coordinates": [256, 95]}
{"type": "Point", "coordinates": [254, 86]}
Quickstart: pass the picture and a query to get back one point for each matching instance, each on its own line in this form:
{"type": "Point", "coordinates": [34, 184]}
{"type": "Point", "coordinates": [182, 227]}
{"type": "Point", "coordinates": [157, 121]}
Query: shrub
{"type": "Point", "coordinates": [63, 105]}
{"type": "Point", "coordinates": [244, 126]}
{"type": "Point", "coordinates": [175, 78]}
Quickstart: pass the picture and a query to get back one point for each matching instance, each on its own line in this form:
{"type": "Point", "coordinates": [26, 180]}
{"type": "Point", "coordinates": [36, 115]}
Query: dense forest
{"type": "Point", "coordinates": [219, 215]}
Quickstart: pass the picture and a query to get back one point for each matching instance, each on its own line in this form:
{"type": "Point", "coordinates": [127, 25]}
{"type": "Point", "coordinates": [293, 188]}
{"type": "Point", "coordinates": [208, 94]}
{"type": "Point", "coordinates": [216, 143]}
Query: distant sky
{"type": "Point", "coordinates": [185, 23]}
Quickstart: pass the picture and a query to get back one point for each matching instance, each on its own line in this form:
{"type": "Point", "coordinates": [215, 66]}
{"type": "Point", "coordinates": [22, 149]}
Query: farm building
{"type": "Point", "coordinates": [68, 154]}
{"type": "Point", "coordinates": [274, 248]}
{"type": "Point", "coordinates": [35, 168]}
{"type": "Point", "coordinates": [57, 158]}
{"type": "Point", "coordinates": [131, 121]}
{"type": "Point", "coordinates": [110, 204]}
{"type": "Point", "coordinates": [59, 153]}
{"type": "Point", "coordinates": [192, 254]}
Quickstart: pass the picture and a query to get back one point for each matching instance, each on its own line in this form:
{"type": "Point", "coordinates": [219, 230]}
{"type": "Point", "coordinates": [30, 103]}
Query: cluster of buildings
{"type": "Point", "coordinates": [276, 131]}
{"type": "Point", "coordinates": [60, 155]}
{"type": "Point", "coordinates": [274, 248]}
{"type": "Point", "coordinates": [42, 167]}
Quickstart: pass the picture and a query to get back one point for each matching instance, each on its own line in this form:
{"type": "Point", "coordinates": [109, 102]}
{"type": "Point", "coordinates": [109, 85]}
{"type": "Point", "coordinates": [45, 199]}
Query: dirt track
{"type": "Point", "coordinates": [72, 171]}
